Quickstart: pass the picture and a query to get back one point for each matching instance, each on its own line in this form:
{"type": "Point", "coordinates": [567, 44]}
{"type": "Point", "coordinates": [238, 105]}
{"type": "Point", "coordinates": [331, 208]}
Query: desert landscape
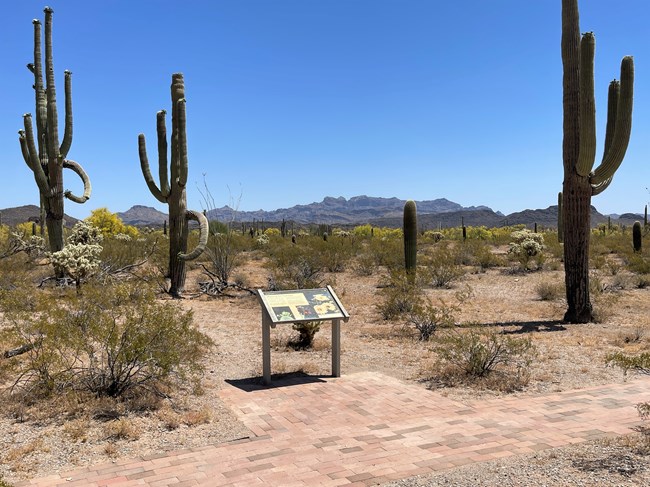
{"type": "Point", "coordinates": [485, 290]}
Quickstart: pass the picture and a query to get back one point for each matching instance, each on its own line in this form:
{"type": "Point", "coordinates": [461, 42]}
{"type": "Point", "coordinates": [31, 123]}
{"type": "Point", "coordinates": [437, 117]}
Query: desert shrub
{"type": "Point", "coordinates": [335, 252]}
{"type": "Point", "coordinates": [552, 247]}
{"type": "Point", "coordinates": [478, 252]}
{"type": "Point", "coordinates": [223, 253]}
{"type": "Point", "coordinates": [527, 249]}
{"type": "Point", "coordinates": [434, 236]}
{"type": "Point", "coordinates": [639, 264]}
{"type": "Point", "coordinates": [364, 264]}
{"type": "Point", "coordinates": [109, 224]}
{"type": "Point", "coordinates": [471, 354]}
{"type": "Point", "coordinates": [549, 291]}
{"type": "Point", "coordinates": [637, 363]}
{"type": "Point", "coordinates": [427, 317]}
{"type": "Point", "coordinates": [642, 281]}
{"type": "Point", "coordinates": [387, 251]}
{"type": "Point", "coordinates": [295, 266]}
{"type": "Point", "coordinates": [440, 266]}
{"type": "Point", "coordinates": [112, 341]}
{"type": "Point", "coordinates": [399, 295]}
{"type": "Point", "coordinates": [123, 253]}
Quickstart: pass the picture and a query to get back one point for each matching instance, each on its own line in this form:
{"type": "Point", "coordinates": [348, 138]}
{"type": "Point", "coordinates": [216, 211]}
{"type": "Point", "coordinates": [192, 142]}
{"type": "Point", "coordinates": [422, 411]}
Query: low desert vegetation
{"type": "Point", "coordinates": [105, 350]}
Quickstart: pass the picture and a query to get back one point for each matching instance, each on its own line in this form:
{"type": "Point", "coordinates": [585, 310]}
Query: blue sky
{"type": "Point", "coordinates": [289, 101]}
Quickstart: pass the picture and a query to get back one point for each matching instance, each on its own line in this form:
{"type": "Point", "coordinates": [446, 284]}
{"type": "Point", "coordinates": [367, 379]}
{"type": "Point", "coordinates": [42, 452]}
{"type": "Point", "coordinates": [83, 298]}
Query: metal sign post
{"type": "Point", "coordinates": [301, 306]}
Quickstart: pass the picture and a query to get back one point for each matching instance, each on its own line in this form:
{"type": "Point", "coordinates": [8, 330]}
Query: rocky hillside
{"type": "Point", "coordinates": [359, 209]}
{"type": "Point", "coordinates": [139, 215]}
{"type": "Point", "coordinates": [21, 214]}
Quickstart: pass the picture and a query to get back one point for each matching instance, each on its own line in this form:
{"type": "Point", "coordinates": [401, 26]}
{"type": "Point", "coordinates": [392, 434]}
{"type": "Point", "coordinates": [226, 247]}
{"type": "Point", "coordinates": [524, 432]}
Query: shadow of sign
{"type": "Point", "coordinates": [252, 384]}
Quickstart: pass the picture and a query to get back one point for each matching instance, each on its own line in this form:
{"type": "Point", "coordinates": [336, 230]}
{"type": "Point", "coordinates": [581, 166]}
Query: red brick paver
{"type": "Point", "coordinates": [367, 429]}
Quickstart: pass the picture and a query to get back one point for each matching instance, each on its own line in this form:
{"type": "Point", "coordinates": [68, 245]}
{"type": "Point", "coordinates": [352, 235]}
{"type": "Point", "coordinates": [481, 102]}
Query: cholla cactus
{"type": "Point", "coordinates": [80, 257]}
{"type": "Point", "coordinates": [526, 245]}
{"type": "Point", "coordinates": [85, 233]}
{"type": "Point", "coordinates": [32, 246]}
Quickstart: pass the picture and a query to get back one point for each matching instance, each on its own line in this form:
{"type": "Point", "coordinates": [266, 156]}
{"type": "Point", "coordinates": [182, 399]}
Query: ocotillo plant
{"type": "Point", "coordinates": [579, 151]}
{"type": "Point", "coordinates": [410, 237]}
{"type": "Point", "coordinates": [43, 153]}
{"type": "Point", "coordinates": [636, 236]}
{"type": "Point", "coordinates": [172, 190]}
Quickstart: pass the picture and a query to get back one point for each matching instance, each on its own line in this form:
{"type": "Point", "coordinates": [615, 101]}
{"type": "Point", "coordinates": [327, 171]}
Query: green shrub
{"type": "Point", "coordinates": [387, 251]}
{"type": "Point", "coordinates": [440, 265]}
{"type": "Point", "coordinates": [112, 341]}
{"type": "Point", "coordinates": [399, 295]}
{"type": "Point", "coordinates": [295, 266]}
{"type": "Point", "coordinates": [637, 363]}
{"type": "Point", "coordinates": [471, 355]}
{"type": "Point", "coordinates": [427, 318]}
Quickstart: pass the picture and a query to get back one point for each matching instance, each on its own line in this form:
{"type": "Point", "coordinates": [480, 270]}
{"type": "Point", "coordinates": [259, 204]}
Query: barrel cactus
{"type": "Point", "coordinates": [410, 236]}
{"type": "Point", "coordinates": [172, 190]}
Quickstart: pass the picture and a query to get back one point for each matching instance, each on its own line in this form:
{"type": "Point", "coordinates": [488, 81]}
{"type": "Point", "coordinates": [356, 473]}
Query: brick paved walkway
{"type": "Point", "coordinates": [366, 429]}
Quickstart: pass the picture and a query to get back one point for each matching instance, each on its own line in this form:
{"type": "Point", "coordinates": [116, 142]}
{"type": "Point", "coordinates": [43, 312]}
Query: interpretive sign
{"type": "Point", "coordinates": [302, 305]}
{"type": "Point", "coordinates": [299, 306]}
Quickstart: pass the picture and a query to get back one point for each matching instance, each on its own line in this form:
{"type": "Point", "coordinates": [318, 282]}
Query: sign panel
{"type": "Point", "coordinates": [303, 305]}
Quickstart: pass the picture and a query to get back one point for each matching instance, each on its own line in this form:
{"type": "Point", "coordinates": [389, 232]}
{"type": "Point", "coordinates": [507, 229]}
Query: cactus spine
{"type": "Point", "coordinates": [410, 237]}
{"type": "Point", "coordinates": [172, 190]}
{"type": "Point", "coordinates": [636, 236]}
{"type": "Point", "coordinates": [42, 152]}
{"type": "Point", "coordinates": [579, 150]}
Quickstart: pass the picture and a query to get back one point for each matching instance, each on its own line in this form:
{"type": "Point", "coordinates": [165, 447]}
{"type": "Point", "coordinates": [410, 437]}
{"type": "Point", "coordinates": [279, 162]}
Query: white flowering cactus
{"type": "Point", "coordinates": [78, 260]}
{"type": "Point", "coordinates": [526, 245]}
{"type": "Point", "coordinates": [80, 257]}
{"type": "Point", "coordinates": [85, 233]}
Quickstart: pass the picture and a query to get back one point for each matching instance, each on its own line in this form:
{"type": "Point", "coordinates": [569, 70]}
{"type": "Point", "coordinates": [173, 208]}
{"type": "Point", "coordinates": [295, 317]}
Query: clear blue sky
{"type": "Point", "coordinates": [289, 101]}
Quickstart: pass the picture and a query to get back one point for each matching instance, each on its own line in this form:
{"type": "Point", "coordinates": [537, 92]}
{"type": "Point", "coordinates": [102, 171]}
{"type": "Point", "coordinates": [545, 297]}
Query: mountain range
{"type": "Point", "coordinates": [347, 212]}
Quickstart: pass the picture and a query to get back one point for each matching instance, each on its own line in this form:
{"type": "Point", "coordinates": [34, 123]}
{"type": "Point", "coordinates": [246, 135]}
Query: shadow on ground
{"type": "Point", "coordinates": [251, 384]}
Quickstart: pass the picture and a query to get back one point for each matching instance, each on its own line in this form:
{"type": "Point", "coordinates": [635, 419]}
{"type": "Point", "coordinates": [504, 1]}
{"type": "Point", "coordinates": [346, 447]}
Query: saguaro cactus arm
{"type": "Point", "coordinates": [77, 169]}
{"type": "Point", "coordinates": [28, 147]}
{"type": "Point", "coordinates": [182, 143]}
{"type": "Point", "coordinates": [587, 154]}
{"type": "Point", "coordinates": [203, 234]}
{"type": "Point", "coordinates": [67, 133]}
{"type": "Point", "coordinates": [146, 172]}
{"type": "Point", "coordinates": [622, 126]}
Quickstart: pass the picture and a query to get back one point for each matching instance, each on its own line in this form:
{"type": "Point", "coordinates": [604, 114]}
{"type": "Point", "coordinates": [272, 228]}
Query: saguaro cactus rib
{"type": "Point", "coordinates": [172, 190]}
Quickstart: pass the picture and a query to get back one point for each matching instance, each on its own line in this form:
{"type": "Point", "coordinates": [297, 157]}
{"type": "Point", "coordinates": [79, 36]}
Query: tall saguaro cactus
{"type": "Point", "coordinates": [42, 151]}
{"type": "Point", "coordinates": [172, 189]}
{"type": "Point", "coordinates": [410, 237]}
{"type": "Point", "coordinates": [579, 151]}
